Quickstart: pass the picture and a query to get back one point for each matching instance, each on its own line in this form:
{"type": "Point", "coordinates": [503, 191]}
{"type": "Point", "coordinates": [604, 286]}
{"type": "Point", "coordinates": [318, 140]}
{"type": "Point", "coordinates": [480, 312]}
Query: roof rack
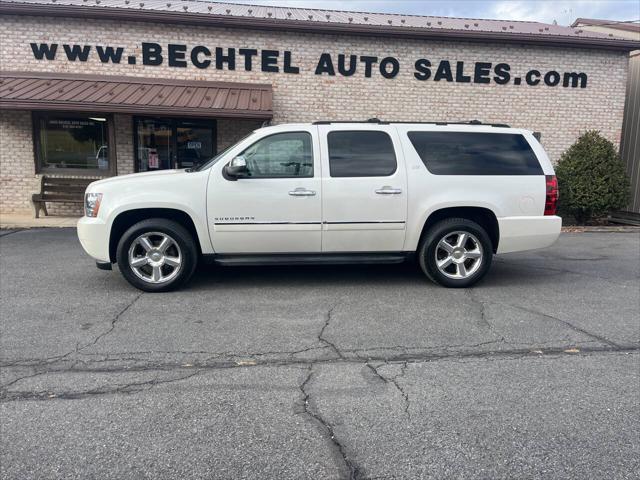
{"type": "Point", "coordinates": [382, 122]}
{"type": "Point", "coordinates": [370, 120]}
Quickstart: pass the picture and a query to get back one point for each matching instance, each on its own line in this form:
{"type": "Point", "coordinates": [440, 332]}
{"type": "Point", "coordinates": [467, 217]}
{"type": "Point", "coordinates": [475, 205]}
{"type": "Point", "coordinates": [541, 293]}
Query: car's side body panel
{"type": "Point", "coordinates": [260, 215]}
{"type": "Point", "coordinates": [167, 189]}
{"type": "Point", "coordinates": [363, 213]}
{"type": "Point", "coordinates": [521, 196]}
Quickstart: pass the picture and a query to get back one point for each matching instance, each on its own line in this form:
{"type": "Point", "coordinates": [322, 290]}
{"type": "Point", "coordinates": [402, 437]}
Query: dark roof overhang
{"type": "Point", "coordinates": [154, 96]}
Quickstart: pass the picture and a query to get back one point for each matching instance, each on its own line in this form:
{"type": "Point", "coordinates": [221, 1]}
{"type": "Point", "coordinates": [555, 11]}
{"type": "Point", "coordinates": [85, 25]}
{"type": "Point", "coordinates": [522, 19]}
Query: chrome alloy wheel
{"type": "Point", "coordinates": [459, 255]}
{"type": "Point", "coordinates": [155, 257]}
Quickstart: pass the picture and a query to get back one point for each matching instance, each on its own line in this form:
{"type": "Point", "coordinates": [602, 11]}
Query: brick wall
{"type": "Point", "coordinates": [124, 144]}
{"type": "Point", "coordinates": [18, 179]}
{"type": "Point", "coordinates": [560, 114]}
{"type": "Point", "coordinates": [231, 130]}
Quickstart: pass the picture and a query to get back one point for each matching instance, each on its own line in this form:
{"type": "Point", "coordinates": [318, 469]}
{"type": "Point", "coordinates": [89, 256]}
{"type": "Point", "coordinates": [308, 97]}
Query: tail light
{"type": "Point", "coordinates": [551, 202]}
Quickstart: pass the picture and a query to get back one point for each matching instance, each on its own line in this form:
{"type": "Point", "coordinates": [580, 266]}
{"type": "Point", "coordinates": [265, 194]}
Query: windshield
{"type": "Point", "coordinates": [220, 154]}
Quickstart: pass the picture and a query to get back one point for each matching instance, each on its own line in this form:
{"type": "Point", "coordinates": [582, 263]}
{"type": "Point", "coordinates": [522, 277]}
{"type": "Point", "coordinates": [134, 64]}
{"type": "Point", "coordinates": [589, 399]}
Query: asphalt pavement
{"type": "Point", "coordinates": [334, 372]}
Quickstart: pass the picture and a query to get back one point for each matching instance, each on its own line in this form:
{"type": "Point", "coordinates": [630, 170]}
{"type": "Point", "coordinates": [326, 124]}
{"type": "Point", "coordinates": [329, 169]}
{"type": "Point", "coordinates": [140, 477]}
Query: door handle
{"type": "Point", "coordinates": [302, 192]}
{"type": "Point", "coordinates": [387, 190]}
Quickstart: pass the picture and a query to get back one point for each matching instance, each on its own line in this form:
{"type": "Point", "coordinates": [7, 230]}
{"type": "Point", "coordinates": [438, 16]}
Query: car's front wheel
{"type": "Point", "coordinates": [456, 252]}
{"type": "Point", "coordinates": [157, 255]}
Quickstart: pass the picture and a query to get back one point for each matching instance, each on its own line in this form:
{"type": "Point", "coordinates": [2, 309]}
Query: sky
{"type": "Point", "coordinates": [562, 11]}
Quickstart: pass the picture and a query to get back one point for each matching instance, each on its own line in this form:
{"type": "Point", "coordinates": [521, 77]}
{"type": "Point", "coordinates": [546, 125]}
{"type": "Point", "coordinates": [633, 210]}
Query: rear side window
{"type": "Point", "coordinates": [361, 154]}
{"type": "Point", "coordinates": [470, 153]}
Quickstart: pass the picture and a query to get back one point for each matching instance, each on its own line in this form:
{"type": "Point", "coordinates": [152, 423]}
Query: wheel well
{"type": "Point", "coordinates": [482, 216]}
{"type": "Point", "coordinates": [126, 219]}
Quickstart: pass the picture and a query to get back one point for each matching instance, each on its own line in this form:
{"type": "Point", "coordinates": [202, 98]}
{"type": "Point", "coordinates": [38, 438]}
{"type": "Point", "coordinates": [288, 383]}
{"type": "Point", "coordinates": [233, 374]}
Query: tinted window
{"type": "Point", "coordinates": [360, 154]}
{"type": "Point", "coordinates": [280, 155]}
{"type": "Point", "coordinates": [468, 153]}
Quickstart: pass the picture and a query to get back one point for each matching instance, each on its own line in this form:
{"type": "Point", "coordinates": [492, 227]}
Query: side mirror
{"type": "Point", "coordinates": [236, 167]}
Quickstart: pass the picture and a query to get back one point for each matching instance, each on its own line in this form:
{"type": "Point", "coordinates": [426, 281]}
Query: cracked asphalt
{"type": "Point", "coordinates": [367, 372]}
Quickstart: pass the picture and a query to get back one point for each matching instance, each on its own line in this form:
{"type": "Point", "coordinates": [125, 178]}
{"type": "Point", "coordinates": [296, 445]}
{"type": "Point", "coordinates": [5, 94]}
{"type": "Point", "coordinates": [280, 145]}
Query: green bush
{"type": "Point", "coordinates": [591, 178]}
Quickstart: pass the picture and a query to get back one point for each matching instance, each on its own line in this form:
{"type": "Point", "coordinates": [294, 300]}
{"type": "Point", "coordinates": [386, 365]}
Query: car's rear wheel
{"type": "Point", "coordinates": [456, 252]}
{"type": "Point", "coordinates": [157, 255]}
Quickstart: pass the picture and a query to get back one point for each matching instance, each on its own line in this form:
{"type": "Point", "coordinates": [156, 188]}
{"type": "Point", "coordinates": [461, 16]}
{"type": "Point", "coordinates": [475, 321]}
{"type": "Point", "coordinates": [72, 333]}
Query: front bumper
{"type": "Point", "coordinates": [93, 234]}
{"type": "Point", "coordinates": [528, 233]}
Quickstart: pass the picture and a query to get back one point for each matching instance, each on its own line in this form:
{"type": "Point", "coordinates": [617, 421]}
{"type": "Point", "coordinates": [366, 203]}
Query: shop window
{"type": "Point", "coordinates": [73, 144]}
{"type": "Point", "coordinates": [361, 154]}
{"type": "Point", "coordinates": [163, 143]}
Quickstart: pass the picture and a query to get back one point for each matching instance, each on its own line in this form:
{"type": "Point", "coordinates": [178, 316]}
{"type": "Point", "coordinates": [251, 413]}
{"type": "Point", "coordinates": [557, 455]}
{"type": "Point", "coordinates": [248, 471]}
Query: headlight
{"type": "Point", "coordinates": [92, 204]}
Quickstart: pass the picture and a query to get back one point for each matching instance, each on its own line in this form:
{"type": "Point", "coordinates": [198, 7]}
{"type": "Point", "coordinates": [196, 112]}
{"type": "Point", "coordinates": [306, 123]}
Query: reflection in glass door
{"type": "Point", "coordinates": [173, 143]}
{"type": "Point", "coordinates": [194, 144]}
{"type": "Point", "coordinates": [154, 150]}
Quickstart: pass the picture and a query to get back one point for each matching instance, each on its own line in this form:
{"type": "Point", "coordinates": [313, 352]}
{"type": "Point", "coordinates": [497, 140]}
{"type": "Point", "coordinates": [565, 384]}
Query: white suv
{"type": "Point", "coordinates": [451, 195]}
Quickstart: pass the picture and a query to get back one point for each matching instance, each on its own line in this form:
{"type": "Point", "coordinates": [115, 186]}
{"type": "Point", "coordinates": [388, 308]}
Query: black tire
{"type": "Point", "coordinates": [185, 248]}
{"type": "Point", "coordinates": [427, 252]}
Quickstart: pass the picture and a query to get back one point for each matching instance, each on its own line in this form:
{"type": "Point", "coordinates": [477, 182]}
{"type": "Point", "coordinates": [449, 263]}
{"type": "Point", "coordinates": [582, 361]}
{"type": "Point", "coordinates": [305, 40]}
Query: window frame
{"type": "Point", "coordinates": [313, 158]}
{"type": "Point", "coordinates": [480, 173]}
{"type": "Point", "coordinates": [40, 169]}
{"type": "Point", "coordinates": [393, 148]}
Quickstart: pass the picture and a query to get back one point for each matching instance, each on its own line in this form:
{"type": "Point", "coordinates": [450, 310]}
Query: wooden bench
{"type": "Point", "coordinates": [59, 190]}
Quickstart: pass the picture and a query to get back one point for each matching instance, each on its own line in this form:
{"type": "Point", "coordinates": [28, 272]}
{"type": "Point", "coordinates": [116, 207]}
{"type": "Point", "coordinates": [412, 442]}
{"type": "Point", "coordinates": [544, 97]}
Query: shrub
{"type": "Point", "coordinates": [591, 178]}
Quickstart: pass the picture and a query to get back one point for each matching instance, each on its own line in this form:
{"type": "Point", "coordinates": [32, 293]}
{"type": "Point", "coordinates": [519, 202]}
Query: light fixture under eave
{"type": "Point", "coordinates": [98, 119]}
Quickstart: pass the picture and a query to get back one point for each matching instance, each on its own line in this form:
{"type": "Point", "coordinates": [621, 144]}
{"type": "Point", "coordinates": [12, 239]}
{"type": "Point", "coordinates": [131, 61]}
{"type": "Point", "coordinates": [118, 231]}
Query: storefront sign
{"type": "Point", "coordinates": [328, 64]}
{"type": "Point", "coordinates": [69, 124]}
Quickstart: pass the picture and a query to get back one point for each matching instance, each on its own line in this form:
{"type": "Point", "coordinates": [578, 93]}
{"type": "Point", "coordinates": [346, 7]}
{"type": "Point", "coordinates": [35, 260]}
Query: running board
{"type": "Point", "coordinates": [307, 258]}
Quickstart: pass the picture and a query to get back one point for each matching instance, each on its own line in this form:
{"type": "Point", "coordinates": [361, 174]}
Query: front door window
{"type": "Point", "coordinates": [173, 143]}
{"type": "Point", "coordinates": [282, 155]}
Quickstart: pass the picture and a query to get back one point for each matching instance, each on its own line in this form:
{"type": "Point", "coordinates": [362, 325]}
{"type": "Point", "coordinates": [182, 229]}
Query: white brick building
{"type": "Point", "coordinates": [161, 74]}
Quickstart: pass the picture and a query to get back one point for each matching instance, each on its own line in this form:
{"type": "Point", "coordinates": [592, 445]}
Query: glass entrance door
{"type": "Point", "coordinates": [155, 144]}
{"type": "Point", "coordinates": [163, 143]}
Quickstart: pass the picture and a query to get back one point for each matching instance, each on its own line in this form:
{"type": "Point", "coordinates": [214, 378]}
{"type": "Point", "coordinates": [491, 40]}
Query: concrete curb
{"type": "Point", "coordinates": [602, 229]}
{"type": "Point", "coordinates": [12, 221]}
